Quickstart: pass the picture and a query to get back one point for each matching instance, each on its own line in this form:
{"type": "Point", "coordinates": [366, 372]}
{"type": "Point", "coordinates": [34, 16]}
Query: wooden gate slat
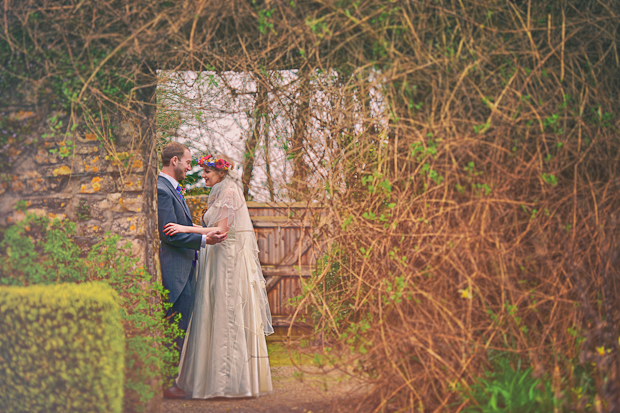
{"type": "Point", "coordinates": [271, 282]}
{"type": "Point", "coordinates": [293, 256]}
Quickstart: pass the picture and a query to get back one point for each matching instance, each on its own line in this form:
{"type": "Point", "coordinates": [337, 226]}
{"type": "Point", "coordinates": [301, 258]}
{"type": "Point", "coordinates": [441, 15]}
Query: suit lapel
{"type": "Point", "coordinates": [176, 196]}
{"type": "Point", "coordinates": [187, 211]}
{"type": "Point", "coordinates": [185, 207]}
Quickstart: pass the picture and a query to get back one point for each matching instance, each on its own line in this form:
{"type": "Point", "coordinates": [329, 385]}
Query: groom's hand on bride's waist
{"type": "Point", "coordinates": [216, 237]}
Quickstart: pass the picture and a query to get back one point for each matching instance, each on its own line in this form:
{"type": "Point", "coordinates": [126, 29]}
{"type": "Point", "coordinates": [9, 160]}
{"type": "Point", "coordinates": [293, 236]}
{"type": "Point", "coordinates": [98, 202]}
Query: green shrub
{"type": "Point", "coordinates": [148, 335]}
{"type": "Point", "coordinates": [61, 349]}
{"type": "Point", "coordinates": [505, 389]}
{"type": "Point", "coordinates": [39, 251]}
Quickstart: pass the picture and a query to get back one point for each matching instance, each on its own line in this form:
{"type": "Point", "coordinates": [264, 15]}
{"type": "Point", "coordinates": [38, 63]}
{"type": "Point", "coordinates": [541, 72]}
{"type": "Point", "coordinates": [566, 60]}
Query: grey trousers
{"type": "Point", "coordinates": [183, 306]}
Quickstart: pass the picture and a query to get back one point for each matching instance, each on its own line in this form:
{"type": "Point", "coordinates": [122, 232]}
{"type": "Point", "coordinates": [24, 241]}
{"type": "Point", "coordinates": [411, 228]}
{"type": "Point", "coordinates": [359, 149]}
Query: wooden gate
{"type": "Point", "coordinates": [286, 257]}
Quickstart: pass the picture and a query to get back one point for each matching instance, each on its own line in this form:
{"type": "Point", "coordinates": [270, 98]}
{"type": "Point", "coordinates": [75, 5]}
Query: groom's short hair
{"type": "Point", "coordinates": [171, 150]}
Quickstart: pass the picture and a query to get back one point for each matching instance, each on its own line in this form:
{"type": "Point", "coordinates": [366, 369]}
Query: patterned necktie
{"type": "Point", "coordinates": [180, 192]}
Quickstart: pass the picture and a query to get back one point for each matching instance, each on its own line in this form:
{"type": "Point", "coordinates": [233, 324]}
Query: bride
{"type": "Point", "coordinates": [225, 351]}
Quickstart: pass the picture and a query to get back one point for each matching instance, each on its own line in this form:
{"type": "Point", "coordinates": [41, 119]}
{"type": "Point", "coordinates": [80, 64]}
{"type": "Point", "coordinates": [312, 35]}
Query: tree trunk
{"type": "Point", "coordinates": [302, 116]}
{"type": "Point", "coordinates": [251, 142]}
{"type": "Point", "coordinates": [267, 159]}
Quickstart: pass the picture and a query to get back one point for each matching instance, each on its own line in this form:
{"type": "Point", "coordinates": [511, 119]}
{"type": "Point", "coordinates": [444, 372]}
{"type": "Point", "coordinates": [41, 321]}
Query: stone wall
{"type": "Point", "coordinates": [74, 177]}
{"type": "Point", "coordinates": [196, 204]}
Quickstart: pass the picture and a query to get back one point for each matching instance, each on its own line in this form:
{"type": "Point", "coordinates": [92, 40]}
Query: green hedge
{"type": "Point", "coordinates": [40, 251]}
{"type": "Point", "coordinates": [61, 349]}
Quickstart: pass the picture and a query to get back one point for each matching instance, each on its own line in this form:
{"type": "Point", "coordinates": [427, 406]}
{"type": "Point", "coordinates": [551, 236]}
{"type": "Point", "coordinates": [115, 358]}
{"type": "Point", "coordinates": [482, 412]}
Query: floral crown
{"type": "Point", "coordinates": [211, 162]}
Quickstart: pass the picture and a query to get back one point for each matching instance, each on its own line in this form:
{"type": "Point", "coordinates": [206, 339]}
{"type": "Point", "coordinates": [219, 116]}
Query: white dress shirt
{"type": "Point", "coordinates": [175, 185]}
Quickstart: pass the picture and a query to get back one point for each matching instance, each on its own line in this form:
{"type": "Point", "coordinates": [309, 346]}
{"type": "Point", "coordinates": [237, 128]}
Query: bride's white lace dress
{"type": "Point", "coordinates": [225, 351]}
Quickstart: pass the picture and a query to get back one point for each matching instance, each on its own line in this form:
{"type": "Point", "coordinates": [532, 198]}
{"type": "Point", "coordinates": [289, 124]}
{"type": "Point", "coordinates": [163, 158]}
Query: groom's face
{"type": "Point", "coordinates": [183, 166]}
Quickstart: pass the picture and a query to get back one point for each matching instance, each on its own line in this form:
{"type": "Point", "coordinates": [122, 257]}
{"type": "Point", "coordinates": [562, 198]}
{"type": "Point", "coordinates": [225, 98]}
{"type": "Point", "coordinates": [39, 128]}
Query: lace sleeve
{"type": "Point", "coordinates": [226, 206]}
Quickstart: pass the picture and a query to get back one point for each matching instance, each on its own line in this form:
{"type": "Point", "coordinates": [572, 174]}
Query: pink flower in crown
{"type": "Point", "coordinates": [219, 164]}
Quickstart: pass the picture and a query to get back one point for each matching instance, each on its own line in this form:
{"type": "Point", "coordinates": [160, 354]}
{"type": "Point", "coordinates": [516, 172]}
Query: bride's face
{"type": "Point", "coordinates": [211, 177]}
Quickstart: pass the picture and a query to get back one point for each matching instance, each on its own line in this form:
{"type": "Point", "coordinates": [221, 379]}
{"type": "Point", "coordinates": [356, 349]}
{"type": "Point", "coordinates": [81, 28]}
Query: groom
{"type": "Point", "coordinates": [178, 252]}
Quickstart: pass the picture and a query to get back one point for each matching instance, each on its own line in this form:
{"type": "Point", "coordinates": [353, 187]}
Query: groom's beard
{"type": "Point", "coordinates": [179, 173]}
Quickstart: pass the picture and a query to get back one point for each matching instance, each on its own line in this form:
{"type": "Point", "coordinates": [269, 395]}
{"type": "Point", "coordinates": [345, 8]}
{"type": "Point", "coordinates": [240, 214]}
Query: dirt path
{"type": "Point", "coordinates": [292, 392]}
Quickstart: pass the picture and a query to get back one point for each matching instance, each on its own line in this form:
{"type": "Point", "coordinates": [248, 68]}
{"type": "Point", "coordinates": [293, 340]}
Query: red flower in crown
{"type": "Point", "coordinates": [219, 164]}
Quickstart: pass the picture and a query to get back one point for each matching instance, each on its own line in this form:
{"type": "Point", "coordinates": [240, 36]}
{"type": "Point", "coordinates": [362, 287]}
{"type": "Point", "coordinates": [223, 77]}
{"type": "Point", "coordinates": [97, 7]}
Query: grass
{"type": "Point", "coordinates": [279, 355]}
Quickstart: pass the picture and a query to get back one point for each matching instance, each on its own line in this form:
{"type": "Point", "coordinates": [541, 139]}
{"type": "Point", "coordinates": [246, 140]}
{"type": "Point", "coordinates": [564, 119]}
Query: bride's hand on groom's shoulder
{"type": "Point", "coordinates": [215, 237]}
{"type": "Point", "coordinates": [172, 228]}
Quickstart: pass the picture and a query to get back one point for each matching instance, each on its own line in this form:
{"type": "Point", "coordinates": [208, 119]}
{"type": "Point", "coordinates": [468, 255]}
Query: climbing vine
{"type": "Point", "coordinates": [462, 164]}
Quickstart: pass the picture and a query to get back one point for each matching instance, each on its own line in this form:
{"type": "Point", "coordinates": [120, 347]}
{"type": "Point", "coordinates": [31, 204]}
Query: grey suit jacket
{"type": "Point", "coordinates": [176, 252]}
